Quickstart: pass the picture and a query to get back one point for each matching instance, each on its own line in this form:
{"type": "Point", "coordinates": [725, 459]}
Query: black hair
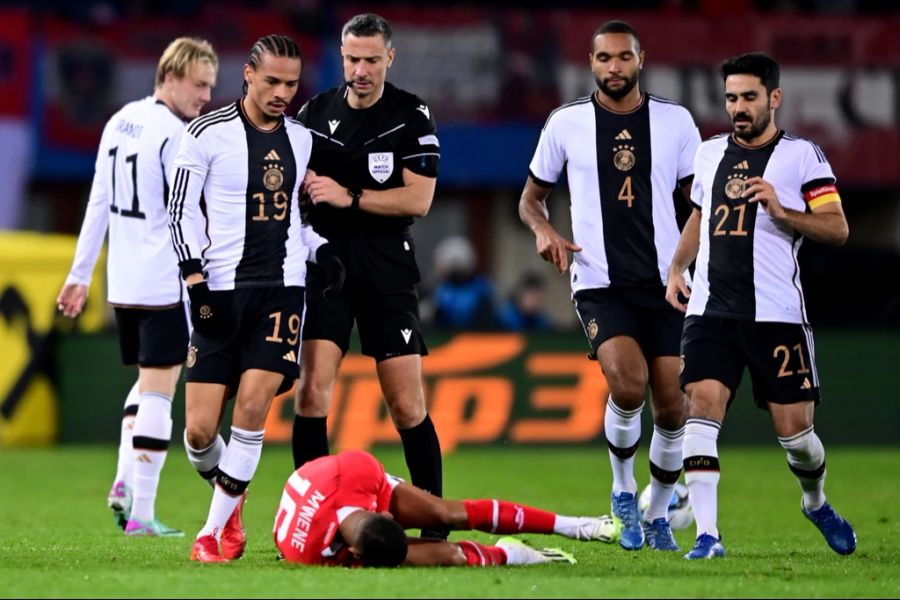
{"type": "Point", "coordinates": [616, 26]}
{"type": "Point", "coordinates": [381, 542]}
{"type": "Point", "coordinates": [759, 64]}
{"type": "Point", "coordinates": [276, 45]}
{"type": "Point", "coordinates": [367, 25]}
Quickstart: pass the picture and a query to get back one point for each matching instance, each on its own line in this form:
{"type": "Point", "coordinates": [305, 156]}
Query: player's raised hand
{"type": "Point", "coordinates": [676, 290]}
{"type": "Point", "coordinates": [554, 248]}
{"type": "Point", "coordinates": [71, 299]}
{"type": "Point", "coordinates": [759, 190]}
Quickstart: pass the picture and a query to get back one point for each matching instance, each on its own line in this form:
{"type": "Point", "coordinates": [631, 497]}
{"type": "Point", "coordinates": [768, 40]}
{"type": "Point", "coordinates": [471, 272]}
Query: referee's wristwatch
{"type": "Point", "coordinates": [354, 193]}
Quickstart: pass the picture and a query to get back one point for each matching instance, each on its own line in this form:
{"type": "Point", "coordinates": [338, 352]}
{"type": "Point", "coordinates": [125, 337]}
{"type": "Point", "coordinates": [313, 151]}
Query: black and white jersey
{"type": "Point", "coordinates": [249, 180]}
{"type": "Point", "coordinates": [622, 170]}
{"type": "Point", "coordinates": [747, 264]}
{"type": "Point", "coordinates": [128, 196]}
{"type": "Point", "coordinates": [368, 149]}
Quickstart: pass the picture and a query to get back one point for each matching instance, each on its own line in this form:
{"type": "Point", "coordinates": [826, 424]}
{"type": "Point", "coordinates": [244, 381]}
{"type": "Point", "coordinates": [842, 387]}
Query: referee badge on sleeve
{"type": "Point", "coordinates": [381, 165]}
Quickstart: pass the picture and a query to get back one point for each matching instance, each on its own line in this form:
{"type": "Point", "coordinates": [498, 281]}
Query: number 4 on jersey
{"type": "Point", "coordinates": [625, 193]}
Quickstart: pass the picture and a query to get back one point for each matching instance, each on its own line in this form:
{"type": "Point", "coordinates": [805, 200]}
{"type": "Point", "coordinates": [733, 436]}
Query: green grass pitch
{"type": "Point", "coordinates": [57, 537]}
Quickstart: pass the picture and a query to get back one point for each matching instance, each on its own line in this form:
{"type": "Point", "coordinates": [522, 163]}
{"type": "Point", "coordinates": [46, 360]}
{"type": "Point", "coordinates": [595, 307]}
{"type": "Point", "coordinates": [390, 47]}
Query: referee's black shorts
{"type": "Point", "coordinates": [379, 295]}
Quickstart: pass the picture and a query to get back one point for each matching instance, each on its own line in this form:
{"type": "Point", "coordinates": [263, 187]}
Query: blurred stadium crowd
{"type": "Point", "coordinates": [491, 76]}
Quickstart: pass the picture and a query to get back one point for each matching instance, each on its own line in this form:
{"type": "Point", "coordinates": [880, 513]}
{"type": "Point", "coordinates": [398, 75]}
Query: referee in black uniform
{"type": "Point", "coordinates": [373, 168]}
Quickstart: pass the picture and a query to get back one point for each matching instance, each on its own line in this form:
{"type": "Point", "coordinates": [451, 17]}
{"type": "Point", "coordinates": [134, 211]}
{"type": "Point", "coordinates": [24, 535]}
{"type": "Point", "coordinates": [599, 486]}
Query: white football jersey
{"type": "Point", "coordinates": [249, 181]}
{"type": "Point", "coordinates": [128, 196]}
{"type": "Point", "coordinates": [747, 264]}
{"type": "Point", "coordinates": [622, 170]}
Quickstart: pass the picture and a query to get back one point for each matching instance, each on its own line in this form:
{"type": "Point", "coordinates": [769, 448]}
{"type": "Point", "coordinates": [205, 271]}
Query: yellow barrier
{"type": "Point", "coordinates": [33, 268]}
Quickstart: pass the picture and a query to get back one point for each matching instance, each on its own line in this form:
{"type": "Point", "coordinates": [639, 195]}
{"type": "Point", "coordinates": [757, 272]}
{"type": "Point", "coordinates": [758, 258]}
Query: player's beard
{"type": "Point", "coordinates": [618, 94]}
{"type": "Point", "coordinates": [757, 126]}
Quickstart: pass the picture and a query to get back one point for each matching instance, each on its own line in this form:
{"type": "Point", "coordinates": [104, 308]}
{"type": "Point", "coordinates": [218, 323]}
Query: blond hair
{"type": "Point", "coordinates": [182, 53]}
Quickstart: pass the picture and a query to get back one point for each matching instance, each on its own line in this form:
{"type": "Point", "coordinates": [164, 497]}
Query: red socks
{"type": "Point", "coordinates": [478, 555]}
{"type": "Point", "coordinates": [499, 516]}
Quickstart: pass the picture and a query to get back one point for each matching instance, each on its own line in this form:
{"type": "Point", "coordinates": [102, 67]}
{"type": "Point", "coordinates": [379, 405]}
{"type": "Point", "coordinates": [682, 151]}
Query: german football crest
{"type": "Point", "coordinates": [273, 178]}
{"type": "Point", "coordinates": [734, 187]}
{"type": "Point", "coordinates": [624, 158]}
{"type": "Point", "coordinates": [592, 328]}
{"type": "Point", "coordinates": [381, 165]}
{"type": "Point", "coordinates": [192, 356]}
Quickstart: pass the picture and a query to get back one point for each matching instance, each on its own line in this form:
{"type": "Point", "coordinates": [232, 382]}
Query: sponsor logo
{"type": "Point", "coordinates": [333, 125]}
{"type": "Point", "coordinates": [290, 356]}
{"type": "Point", "coordinates": [819, 191]}
{"type": "Point", "coordinates": [406, 333]}
{"type": "Point", "coordinates": [742, 166]}
{"type": "Point", "coordinates": [272, 155]}
{"type": "Point", "coordinates": [424, 110]}
{"type": "Point", "coordinates": [192, 356]}
{"type": "Point", "coordinates": [623, 135]}
{"type": "Point", "coordinates": [806, 385]}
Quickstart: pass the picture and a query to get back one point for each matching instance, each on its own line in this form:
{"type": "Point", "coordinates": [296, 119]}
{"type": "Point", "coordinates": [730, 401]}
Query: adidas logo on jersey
{"type": "Point", "coordinates": [742, 166]}
{"type": "Point", "coordinates": [143, 458]}
{"type": "Point", "coordinates": [806, 385]}
{"type": "Point", "coordinates": [291, 356]}
{"type": "Point", "coordinates": [272, 155]}
{"type": "Point", "coordinates": [623, 135]}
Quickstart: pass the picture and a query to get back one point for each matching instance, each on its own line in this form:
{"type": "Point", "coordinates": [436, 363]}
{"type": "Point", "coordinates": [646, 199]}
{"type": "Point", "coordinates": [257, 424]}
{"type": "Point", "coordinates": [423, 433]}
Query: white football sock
{"type": "Point", "coordinates": [806, 458]}
{"type": "Point", "coordinates": [206, 460]}
{"type": "Point", "coordinates": [701, 472]}
{"type": "Point", "coordinates": [125, 463]}
{"type": "Point", "coordinates": [237, 468]}
{"type": "Point", "coordinates": [623, 431]}
{"type": "Point", "coordinates": [152, 433]}
{"type": "Point", "coordinates": [665, 463]}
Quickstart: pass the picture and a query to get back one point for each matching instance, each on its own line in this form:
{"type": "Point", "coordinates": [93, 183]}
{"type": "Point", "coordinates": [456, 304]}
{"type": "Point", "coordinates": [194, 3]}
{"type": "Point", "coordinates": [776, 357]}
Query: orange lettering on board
{"type": "Point", "coordinates": [491, 400]}
{"type": "Point", "coordinates": [585, 402]}
{"type": "Point", "coordinates": [470, 352]}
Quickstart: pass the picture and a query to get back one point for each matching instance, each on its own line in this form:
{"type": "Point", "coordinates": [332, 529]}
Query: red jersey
{"type": "Point", "coordinates": [306, 524]}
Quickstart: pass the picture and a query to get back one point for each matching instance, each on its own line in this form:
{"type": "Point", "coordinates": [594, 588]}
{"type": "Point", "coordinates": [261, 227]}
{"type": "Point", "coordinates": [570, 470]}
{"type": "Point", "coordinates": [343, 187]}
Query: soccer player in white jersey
{"type": "Point", "coordinates": [626, 152]}
{"type": "Point", "coordinates": [757, 193]}
{"type": "Point", "coordinates": [128, 197]}
{"type": "Point", "coordinates": [246, 285]}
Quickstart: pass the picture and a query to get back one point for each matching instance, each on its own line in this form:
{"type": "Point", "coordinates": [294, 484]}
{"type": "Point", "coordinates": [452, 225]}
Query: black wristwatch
{"type": "Point", "coordinates": [354, 193]}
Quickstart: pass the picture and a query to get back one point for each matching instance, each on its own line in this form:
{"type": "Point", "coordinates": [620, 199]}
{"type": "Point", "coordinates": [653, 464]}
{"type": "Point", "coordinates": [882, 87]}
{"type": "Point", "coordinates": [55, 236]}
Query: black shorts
{"type": "Point", "coordinates": [780, 357]}
{"type": "Point", "coordinates": [379, 294]}
{"type": "Point", "coordinates": [639, 313]}
{"type": "Point", "coordinates": [152, 337]}
{"type": "Point", "coordinates": [262, 332]}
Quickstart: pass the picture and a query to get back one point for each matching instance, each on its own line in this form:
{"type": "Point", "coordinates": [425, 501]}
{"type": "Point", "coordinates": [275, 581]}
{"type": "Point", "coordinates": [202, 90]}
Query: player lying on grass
{"type": "Point", "coordinates": [345, 510]}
